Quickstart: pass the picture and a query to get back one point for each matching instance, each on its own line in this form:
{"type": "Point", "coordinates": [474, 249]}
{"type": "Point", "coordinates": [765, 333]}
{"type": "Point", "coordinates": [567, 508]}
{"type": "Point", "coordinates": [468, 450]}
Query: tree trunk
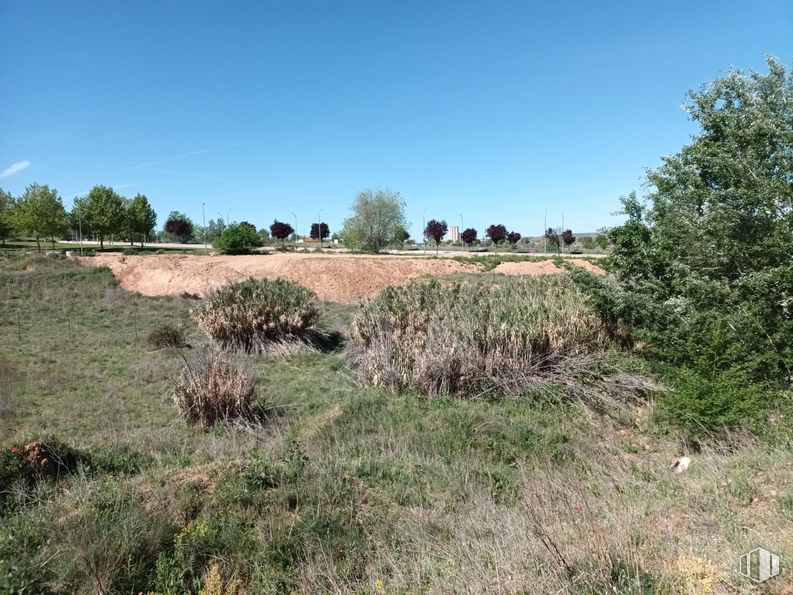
{"type": "Point", "coordinates": [101, 242]}
{"type": "Point", "coordinates": [53, 243]}
{"type": "Point", "coordinates": [38, 243]}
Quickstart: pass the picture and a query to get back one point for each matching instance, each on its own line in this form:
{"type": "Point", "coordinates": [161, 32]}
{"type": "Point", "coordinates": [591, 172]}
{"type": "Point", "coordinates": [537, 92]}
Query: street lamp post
{"type": "Point", "coordinates": [295, 216]}
{"type": "Point", "coordinates": [319, 228]}
{"type": "Point", "coordinates": [204, 220]}
{"type": "Point", "coordinates": [461, 230]}
{"type": "Point", "coordinates": [424, 230]}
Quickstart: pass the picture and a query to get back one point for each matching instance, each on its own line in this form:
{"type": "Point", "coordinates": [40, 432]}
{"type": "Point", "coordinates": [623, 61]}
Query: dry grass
{"type": "Point", "coordinates": [462, 339]}
{"type": "Point", "coordinates": [254, 314]}
{"type": "Point", "coordinates": [212, 389]}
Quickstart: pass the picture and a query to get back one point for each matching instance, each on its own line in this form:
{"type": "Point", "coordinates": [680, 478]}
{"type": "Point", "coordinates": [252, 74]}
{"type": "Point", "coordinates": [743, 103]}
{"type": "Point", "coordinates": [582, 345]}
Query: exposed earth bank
{"type": "Point", "coordinates": [337, 278]}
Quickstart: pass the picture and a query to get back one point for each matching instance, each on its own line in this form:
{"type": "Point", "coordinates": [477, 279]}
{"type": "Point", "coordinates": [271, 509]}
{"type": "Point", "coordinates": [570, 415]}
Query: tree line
{"type": "Point", "coordinates": [39, 213]}
{"type": "Point", "coordinates": [378, 220]}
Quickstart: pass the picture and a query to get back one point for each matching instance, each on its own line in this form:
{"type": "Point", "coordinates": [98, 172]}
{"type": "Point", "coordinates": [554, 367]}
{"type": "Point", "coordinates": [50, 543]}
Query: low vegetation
{"type": "Point", "coordinates": [702, 270]}
{"type": "Point", "coordinates": [258, 314]}
{"type": "Point", "coordinates": [165, 336]}
{"type": "Point", "coordinates": [211, 389]}
{"type": "Point", "coordinates": [345, 488]}
{"type": "Point", "coordinates": [458, 338]}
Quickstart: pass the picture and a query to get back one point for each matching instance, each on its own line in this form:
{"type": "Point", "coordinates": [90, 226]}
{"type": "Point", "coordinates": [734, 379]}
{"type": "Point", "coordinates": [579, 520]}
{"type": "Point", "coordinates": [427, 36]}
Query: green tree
{"type": "Point", "coordinates": [140, 217]}
{"type": "Point", "coordinates": [602, 242]}
{"type": "Point", "coordinates": [375, 219]}
{"type": "Point", "coordinates": [6, 215]}
{"type": "Point", "coordinates": [238, 238]}
{"type": "Point", "coordinates": [40, 213]}
{"type": "Point", "coordinates": [103, 212]}
{"type": "Point", "coordinates": [704, 264]}
{"type": "Point", "coordinates": [401, 235]}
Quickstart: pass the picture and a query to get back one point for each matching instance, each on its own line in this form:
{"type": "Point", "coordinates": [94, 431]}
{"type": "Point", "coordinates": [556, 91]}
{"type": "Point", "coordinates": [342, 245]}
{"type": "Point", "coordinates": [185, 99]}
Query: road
{"type": "Point", "coordinates": [339, 250]}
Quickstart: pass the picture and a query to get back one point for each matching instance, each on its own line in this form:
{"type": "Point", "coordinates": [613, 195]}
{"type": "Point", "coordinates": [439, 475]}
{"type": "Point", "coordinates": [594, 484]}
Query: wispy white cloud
{"type": "Point", "coordinates": [169, 159]}
{"type": "Point", "coordinates": [15, 168]}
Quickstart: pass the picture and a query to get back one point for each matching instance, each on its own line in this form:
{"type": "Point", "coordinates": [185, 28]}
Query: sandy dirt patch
{"type": "Point", "coordinates": [544, 267]}
{"type": "Point", "coordinates": [336, 278]}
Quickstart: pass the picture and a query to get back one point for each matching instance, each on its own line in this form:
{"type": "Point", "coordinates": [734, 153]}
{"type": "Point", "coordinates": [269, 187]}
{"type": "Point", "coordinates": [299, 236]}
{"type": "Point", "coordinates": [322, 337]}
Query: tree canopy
{"type": "Point", "coordinates": [468, 236]}
{"type": "Point", "coordinates": [237, 238]}
{"type": "Point", "coordinates": [435, 230]}
{"type": "Point", "coordinates": [6, 215]}
{"type": "Point", "coordinates": [315, 231]}
{"type": "Point", "coordinates": [280, 230]}
{"type": "Point", "coordinates": [102, 212]}
{"type": "Point", "coordinates": [497, 233]}
{"type": "Point", "coordinates": [40, 212]}
{"type": "Point", "coordinates": [179, 225]}
{"type": "Point", "coordinates": [704, 263]}
{"type": "Point", "coordinates": [376, 217]}
{"type": "Point", "coordinates": [140, 217]}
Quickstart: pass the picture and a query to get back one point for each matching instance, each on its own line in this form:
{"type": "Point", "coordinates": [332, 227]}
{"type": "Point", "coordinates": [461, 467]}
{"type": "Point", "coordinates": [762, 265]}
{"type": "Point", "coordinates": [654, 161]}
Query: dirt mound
{"type": "Point", "coordinates": [335, 278]}
{"type": "Point", "coordinates": [43, 460]}
{"type": "Point", "coordinates": [544, 267]}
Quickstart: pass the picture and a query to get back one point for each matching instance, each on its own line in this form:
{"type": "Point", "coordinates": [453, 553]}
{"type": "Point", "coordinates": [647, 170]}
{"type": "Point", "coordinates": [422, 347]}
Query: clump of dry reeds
{"type": "Point", "coordinates": [210, 389]}
{"type": "Point", "coordinates": [461, 339]}
{"type": "Point", "coordinates": [256, 314]}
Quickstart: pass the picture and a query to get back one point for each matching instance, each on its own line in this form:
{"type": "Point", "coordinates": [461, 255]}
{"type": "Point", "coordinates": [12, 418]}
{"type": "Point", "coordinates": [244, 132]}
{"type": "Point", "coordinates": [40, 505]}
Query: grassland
{"type": "Point", "coordinates": [343, 488]}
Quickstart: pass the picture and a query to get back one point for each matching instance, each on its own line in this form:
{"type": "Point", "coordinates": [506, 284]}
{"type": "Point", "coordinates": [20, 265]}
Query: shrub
{"type": "Point", "coordinates": [104, 539]}
{"type": "Point", "coordinates": [237, 239]}
{"type": "Point", "coordinates": [211, 389]}
{"type": "Point", "coordinates": [165, 336]}
{"type": "Point", "coordinates": [251, 315]}
{"type": "Point", "coordinates": [460, 339]}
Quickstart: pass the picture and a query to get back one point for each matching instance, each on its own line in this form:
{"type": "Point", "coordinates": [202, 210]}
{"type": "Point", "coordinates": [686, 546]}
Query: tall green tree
{"type": "Point", "coordinates": [704, 264]}
{"type": "Point", "coordinates": [140, 217]}
{"type": "Point", "coordinates": [40, 213]}
{"type": "Point", "coordinates": [6, 215]}
{"type": "Point", "coordinates": [103, 212]}
{"type": "Point", "coordinates": [376, 217]}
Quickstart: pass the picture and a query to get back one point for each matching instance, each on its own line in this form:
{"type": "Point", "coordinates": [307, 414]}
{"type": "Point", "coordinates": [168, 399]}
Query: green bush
{"type": "Point", "coordinates": [252, 315]}
{"type": "Point", "coordinates": [460, 339]}
{"type": "Point", "coordinates": [701, 269]}
{"type": "Point", "coordinates": [237, 239]}
{"type": "Point", "coordinates": [165, 336]}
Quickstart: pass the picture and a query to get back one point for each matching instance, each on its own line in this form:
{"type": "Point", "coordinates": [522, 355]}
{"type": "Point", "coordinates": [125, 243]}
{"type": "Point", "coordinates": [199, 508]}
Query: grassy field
{"type": "Point", "coordinates": [346, 489]}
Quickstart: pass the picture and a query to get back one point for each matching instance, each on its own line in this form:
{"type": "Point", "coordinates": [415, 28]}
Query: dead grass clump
{"type": "Point", "coordinates": [460, 339]}
{"type": "Point", "coordinates": [212, 389]}
{"type": "Point", "coordinates": [253, 314]}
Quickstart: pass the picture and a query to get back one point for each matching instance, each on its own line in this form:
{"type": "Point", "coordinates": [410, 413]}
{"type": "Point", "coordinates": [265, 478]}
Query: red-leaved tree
{"type": "Point", "coordinates": [497, 233]}
{"type": "Point", "coordinates": [316, 228]}
{"type": "Point", "coordinates": [468, 236]}
{"type": "Point", "coordinates": [513, 237]}
{"type": "Point", "coordinates": [568, 238]}
{"type": "Point", "coordinates": [280, 230]}
{"type": "Point", "coordinates": [436, 230]}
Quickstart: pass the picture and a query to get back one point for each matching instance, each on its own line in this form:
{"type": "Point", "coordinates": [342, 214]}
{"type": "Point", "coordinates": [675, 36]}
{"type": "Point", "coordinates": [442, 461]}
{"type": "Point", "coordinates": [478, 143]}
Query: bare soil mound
{"type": "Point", "coordinates": [544, 267]}
{"type": "Point", "coordinates": [336, 278]}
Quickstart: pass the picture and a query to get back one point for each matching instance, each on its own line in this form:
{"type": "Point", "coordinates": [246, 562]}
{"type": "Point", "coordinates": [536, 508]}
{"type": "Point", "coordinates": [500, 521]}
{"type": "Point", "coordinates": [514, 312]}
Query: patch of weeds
{"type": "Point", "coordinates": [165, 336]}
{"type": "Point", "coordinates": [785, 504]}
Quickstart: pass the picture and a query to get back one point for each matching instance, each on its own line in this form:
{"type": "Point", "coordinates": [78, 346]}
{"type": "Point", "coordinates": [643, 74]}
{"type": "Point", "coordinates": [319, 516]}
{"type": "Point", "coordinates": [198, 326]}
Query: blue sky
{"type": "Point", "coordinates": [494, 110]}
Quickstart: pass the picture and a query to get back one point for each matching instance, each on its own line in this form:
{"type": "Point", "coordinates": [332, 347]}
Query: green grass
{"type": "Point", "coordinates": [343, 486]}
